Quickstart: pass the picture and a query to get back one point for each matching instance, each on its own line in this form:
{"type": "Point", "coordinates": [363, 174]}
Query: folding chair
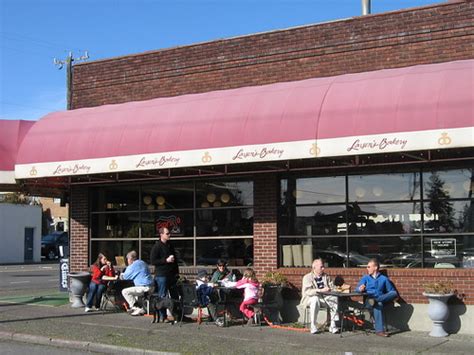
{"type": "Point", "coordinates": [113, 296]}
{"type": "Point", "coordinates": [190, 299]}
{"type": "Point", "coordinates": [307, 317]}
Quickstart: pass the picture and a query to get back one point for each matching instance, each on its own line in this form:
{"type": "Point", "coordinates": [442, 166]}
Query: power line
{"type": "Point", "coordinates": [11, 36]}
{"type": "Point", "coordinates": [21, 50]}
{"type": "Point", "coordinates": [27, 106]}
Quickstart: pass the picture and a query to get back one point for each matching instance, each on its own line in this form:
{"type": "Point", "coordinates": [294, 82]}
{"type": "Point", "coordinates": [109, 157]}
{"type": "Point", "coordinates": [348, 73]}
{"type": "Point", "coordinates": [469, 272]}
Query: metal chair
{"type": "Point", "coordinates": [190, 299]}
{"type": "Point", "coordinates": [113, 296]}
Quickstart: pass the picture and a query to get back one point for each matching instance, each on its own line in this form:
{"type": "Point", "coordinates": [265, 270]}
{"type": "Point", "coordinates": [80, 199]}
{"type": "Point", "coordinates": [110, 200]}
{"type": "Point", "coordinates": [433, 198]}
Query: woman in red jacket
{"type": "Point", "coordinates": [101, 267]}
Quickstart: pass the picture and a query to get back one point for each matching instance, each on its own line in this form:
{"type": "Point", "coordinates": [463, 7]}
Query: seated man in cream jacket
{"type": "Point", "coordinates": [314, 284]}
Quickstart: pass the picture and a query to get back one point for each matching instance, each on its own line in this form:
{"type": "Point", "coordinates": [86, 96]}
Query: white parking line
{"type": "Point", "coordinates": [19, 282]}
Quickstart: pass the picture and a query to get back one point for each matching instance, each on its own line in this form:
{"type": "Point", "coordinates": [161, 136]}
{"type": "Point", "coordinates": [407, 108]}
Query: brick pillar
{"type": "Point", "coordinates": [265, 223]}
{"type": "Point", "coordinates": [79, 201]}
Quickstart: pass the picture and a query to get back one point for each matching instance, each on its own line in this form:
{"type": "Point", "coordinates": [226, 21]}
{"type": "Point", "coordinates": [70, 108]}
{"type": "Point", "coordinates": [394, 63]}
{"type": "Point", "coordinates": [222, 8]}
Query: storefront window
{"type": "Point", "coordinates": [183, 247]}
{"type": "Point", "coordinates": [115, 225]}
{"type": "Point", "coordinates": [180, 223]}
{"type": "Point", "coordinates": [115, 198]}
{"type": "Point", "coordinates": [224, 194]}
{"type": "Point", "coordinates": [384, 218]}
{"type": "Point", "coordinates": [313, 190]}
{"type": "Point", "coordinates": [447, 184]}
{"type": "Point", "coordinates": [111, 249]}
{"type": "Point", "coordinates": [389, 216]}
{"type": "Point", "coordinates": [167, 197]}
{"type": "Point", "coordinates": [194, 212]}
{"type": "Point", "coordinates": [224, 221]}
{"type": "Point", "coordinates": [238, 252]}
{"type": "Point", "coordinates": [313, 220]}
{"type": "Point", "coordinates": [447, 216]}
{"type": "Point", "coordinates": [384, 187]}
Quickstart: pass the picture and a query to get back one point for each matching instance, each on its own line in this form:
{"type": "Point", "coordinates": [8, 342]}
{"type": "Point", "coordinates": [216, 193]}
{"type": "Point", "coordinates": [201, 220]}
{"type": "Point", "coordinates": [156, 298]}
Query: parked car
{"type": "Point", "coordinates": [414, 260]}
{"type": "Point", "coordinates": [50, 244]}
{"type": "Point", "coordinates": [336, 258]}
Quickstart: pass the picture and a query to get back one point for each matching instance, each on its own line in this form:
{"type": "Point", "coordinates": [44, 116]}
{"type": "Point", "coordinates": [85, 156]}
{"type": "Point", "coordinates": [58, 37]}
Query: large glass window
{"type": "Point", "coordinates": [128, 217]}
{"type": "Point", "coordinates": [404, 219]}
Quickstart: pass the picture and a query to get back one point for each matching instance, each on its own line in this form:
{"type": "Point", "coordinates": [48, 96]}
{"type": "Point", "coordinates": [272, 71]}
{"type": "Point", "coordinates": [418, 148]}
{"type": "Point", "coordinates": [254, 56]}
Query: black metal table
{"type": "Point", "coordinates": [344, 299]}
{"type": "Point", "coordinates": [113, 294]}
{"type": "Point", "coordinates": [228, 298]}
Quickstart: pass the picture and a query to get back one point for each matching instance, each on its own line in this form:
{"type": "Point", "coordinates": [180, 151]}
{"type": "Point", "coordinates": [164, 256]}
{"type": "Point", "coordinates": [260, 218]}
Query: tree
{"type": "Point", "coordinates": [439, 205]}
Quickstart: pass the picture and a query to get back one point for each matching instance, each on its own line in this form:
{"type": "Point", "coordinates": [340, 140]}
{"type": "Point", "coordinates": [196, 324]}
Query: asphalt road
{"type": "Point", "coordinates": [32, 278]}
{"type": "Point", "coordinates": [11, 347]}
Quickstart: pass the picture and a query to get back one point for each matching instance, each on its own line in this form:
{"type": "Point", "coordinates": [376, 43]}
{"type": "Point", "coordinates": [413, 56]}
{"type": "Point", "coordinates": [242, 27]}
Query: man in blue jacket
{"type": "Point", "coordinates": [379, 291]}
{"type": "Point", "coordinates": [137, 270]}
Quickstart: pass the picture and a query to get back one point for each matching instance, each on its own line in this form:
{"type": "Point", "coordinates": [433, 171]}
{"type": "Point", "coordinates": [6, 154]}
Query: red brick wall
{"type": "Point", "coordinates": [265, 223]}
{"type": "Point", "coordinates": [425, 35]}
{"type": "Point", "coordinates": [79, 260]}
{"type": "Point", "coordinates": [409, 282]}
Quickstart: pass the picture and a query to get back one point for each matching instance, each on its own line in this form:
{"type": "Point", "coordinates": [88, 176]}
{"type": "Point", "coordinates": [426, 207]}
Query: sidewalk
{"type": "Point", "coordinates": [119, 332]}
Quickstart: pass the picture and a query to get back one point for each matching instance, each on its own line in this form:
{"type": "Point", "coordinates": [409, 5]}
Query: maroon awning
{"type": "Point", "coordinates": [12, 133]}
{"type": "Point", "coordinates": [406, 109]}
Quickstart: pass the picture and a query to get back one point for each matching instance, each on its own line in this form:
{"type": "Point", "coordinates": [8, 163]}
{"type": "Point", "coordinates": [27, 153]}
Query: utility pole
{"type": "Point", "coordinates": [68, 61]}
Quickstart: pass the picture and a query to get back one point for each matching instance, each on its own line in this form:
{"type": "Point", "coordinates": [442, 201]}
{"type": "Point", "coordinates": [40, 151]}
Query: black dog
{"type": "Point", "coordinates": [158, 303]}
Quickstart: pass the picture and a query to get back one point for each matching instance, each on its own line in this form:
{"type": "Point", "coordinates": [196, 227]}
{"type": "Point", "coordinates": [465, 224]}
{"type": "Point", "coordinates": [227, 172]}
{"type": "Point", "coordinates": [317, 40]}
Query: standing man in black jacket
{"type": "Point", "coordinates": [166, 267]}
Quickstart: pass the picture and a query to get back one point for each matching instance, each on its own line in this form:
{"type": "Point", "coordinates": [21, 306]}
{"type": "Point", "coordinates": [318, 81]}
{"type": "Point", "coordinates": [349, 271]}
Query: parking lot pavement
{"type": "Point", "coordinates": [137, 334]}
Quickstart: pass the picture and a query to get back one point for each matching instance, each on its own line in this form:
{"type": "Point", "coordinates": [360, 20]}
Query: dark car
{"type": "Point", "coordinates": [50, 244]}
{"type": "Point", "coordinates": [336, 258]}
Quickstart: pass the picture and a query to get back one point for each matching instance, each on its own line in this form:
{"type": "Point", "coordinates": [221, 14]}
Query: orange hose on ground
{"type": "Point", "coordinates": [275, 326]}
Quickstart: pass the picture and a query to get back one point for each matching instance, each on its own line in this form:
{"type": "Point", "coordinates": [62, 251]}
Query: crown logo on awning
{"type": "Point", "coordinates": [445, 139]}
{"type": "Point", "coordinates": [113, 165]}
{"type": "Point", "coordinates": [314, 151]}
{"type": "Point", "coordinates": [33, 171]}
{"type": "Point", "coordinates": [206, 158]}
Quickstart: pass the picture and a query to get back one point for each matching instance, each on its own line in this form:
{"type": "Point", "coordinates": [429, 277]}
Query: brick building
{"type": "Point", "coordinates": [349, 139]}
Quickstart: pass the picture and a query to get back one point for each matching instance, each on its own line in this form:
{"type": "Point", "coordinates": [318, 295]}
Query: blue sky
{"type": "Point", "coordinates": [33, 32]}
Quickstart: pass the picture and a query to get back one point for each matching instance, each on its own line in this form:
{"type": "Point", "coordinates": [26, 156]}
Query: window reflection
{"type": "Point", "coordinates": [224, 222]}
{"type": "Point", "coordinates": [115, 198]}
{"type": "Point", "coordinates": [313, 190]}
{"type": "Point", "coordinates": [111, 249]}
{"type": "Point", "coordinates": [183, 249]}
{"type": "Point", "coordinates": [179, 223]}
{"type": "Point", "coordinates": [448, 184]}
{"type": "Point", "coordinates": [167, 196]}
{"type": "Point", "coordinates": [224, 194]}
{"type": "Point", "coordinates": [115, 225]}
{"type": "Point", "coordinates": [387, 218]}
{"type": "Point", "coordinates": [444, 216]}
{"type": "Point", "coordinates": [314, 220]}
{"type": "Point", "coordinates": [237, 252]}
{"type": "Point", "coordinates": [136, 212]}
{"type": "Point", "coordinates": [386, 187]}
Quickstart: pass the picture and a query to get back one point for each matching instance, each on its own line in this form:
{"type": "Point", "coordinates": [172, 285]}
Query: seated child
{"type": "Point", "coordinates": [206, 295]}
{"type": "Point", "coordinates": [250, 285]}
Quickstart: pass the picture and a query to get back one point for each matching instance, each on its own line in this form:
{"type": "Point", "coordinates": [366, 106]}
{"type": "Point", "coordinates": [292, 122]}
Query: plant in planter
{"type": "Point", "coordinates": [274, 279]}
{"type": "Point", "coordinates": [272, 284]}
{"type": "Point", "coordinates": [438, 294]}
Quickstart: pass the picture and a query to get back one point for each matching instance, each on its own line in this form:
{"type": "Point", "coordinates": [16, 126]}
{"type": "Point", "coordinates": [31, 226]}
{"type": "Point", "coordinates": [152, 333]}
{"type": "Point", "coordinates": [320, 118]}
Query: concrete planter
{"type": "Point", "coordinates": [438, 312]}
{"type": "Point", "coordinates": [79, 283]}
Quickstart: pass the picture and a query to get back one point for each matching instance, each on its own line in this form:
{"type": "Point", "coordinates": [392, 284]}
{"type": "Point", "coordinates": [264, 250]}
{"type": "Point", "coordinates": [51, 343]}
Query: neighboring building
{"type": "Point", "coordinates": [347, 139]}
{"type": "Point", "coordinates": [20, 233]}
{"type": "Point", "coordinates": [56, 214]}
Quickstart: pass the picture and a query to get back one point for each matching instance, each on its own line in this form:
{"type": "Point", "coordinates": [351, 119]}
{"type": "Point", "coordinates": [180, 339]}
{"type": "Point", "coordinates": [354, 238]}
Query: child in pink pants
{"type": "Point", "coordinates": [250, 285]}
